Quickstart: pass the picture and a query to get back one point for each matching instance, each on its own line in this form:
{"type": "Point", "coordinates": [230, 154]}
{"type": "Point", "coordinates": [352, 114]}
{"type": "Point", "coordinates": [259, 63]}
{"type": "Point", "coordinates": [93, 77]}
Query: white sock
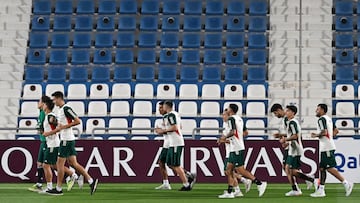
{"type": "Point", "coordinates": [186, 184]}
{"type": "Point", "coordinates": [75, 176]}
{"type": "Point", "coordinates": [49, 185]}
{"type": "Point", "coordinates": [321, 187]}
{"type": "Point", "coordinates": [345, 182]}
{"type": "Point", "coordinates": [242, 179]}
{"type": "Point", "coordinates": [166, 182]}
{"type": "Point", "coordinates": [58, 188]}
{"type": "Point", "coordinates": [237, 189]}
{"type": "Point", "coordinates": [90, 181]}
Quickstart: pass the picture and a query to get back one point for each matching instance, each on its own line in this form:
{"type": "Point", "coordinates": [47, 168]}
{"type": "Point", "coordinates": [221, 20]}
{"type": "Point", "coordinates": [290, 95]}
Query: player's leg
{"type": "Point", "coordinates": [39, 169]}
{"type": "Point", "coordinates": [247, 182]}
{"type": "Point", "coordinates": [230, 180]}
{"type": "Point", "coordinates": [237, 191]}
{"type": "Point", "coordinates": [347, 185]}
{"type": "Point", "coordinates": [73, 177]}
{"type": "Point", "coordinates": [291, 166]}
{"type": "Point", "coordinates": [162, 166]}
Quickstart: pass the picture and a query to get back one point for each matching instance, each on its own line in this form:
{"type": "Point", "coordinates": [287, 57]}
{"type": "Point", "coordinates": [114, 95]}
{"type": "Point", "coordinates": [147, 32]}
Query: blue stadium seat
{"type": "Point", "coordinates": [189, 74]}
{"type": "Point", "coordinates": [146, 57]}
{"type": "Point", "coordinates": [42, 7]}
{"type": "Point", "coordinates": [258, 7]}
{"type": "Point", "coordinates": [343, 7]}
{"type": "Point", "coordinates": [256, 74]}
{"type": "Point", "coordinates": [128, 7]}
{"type": "Point", "coordinates": [257, 23]}
{"type": "Point", "coordinates": [358, 40]}
{"type": "Point", "coordinates": [192, 23]}
{"type": "Point", "coordinates": [82, 40]}
{"type": "Point", "coordinates": [167, 74]}
{"type": "Point", "coordinates": [80, 57]}
{"type": "Point", "coordinates": [344, 41]}
{"type": "Point", "coordinates": [214, 7]}
{"type": "Point", "coordinates": [236, 7]}
{"type": "Point", "coordinates": [191, 40]}
{"type": "Point", "coordinates": [83, 23]}
{"type": "Point", "coordinates": [169, 40]}
{"type": "Point", "coordinates": [344, 57]}
{"type": "Point", "coordinates": [170, 23]}
{"type": "Point", "coordinates": [233, 75]}
{"type": "Point", "coordinates": [171, 7]}
{"type": "Point", "coordinates": [78, 75]}
{"type": "Point", "coordinates": [358, 23]}
{"type": "Point", "coordinates": [145, 74]}
{"type": "Point", "coordinates": [105, 23]}
{"type": "Point", "coordinates": [40, 23]}
{"type": "Point", "coordinates": [100, 74]}
{"type": "Point", "coordinates": [190, 57]}
{"type": "Point", "coordinates": [62, 23]}
{"type": "Point", "coordinates": [147, 39]}
{"type": "Point", "coordinates": [38, 40]}
{"type": "Point", "coordinates": [212, 74]}
{"type": "Point", "coordinates": [235, 40]}
{"type": "Point", "coordinates": [150, 7]}
{"type": "Point", "coordinates": [168, 56]}
{"type": "Point", "coordinates": [36, 57]}
{"type": "Point", "coordinates": [358, 7]}
{"type": "Point", "coordinates": [56, 75]}
{"type": "Point", "coordinates": [213, 24]}
{"type": "Point", "coordinates": [64, 7]}
{"type": "Point", "coordinates": [343, 23]}
{"type": "Point", "coordinates": [34, 74]}
{"type": "Point", "coordinates": [234, 57]}
{"type": "Point", "coordinates": [58, 57]}
{"type": "Point", "coordinates": [193, 7]}
{"type": "Point", "coordinates": [60, 40]}
{"type": "Point", "coordinates": [127, 23]}
{"type": "Point", "coordinates": [107, 7]}
{"type": "Point", "coordinates": [257, 40]}
{"type": "Point", "coordinates": [102, 56]}
{"type": "Point", "coordinates": [125, 40]}
{"type": "Point", "coordinates": [124, 56]}
{"type": "Point", "coordinates": [149, 23]}
{"type": "Point", "coordinates": [235, 24]}
{"type": "Point", "coordinates": [122, 74]}
{"type": "Point", "coordinates": [104, 40]}
{"type": "Point", "coordinates": [344, 74]}
{"type": "Point", "coordinates": [85, 7]}
{"type": "Point", "coordinates": [256, 57]}
{"type": "Point", "coordinates": [213, 41]}
{"type": "Point", "coordinates": [212, 57]}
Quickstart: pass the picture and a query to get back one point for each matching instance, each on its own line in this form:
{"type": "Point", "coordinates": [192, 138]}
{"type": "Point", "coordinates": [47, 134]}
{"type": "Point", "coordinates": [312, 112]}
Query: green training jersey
{"type": "Point", "coordinates": [40, 125]}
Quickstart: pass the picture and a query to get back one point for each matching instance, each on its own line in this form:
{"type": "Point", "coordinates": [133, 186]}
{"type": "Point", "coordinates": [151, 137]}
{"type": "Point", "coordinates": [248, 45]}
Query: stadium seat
{"type": "Point", "coordinates": [240, 109]}
{"type": "Point", "coordinates": [63, 7]}
{"type": "Point", "coordinates": [235, 40]}
{"type": "Point", "coordinates": [121, 91]}
{"type": "Point", "coordinates": [256, 123]}
{"type": "Point", "coordinates": [193, 7]}
{"type": "Point", "coordinates": [127, 23]}
{"type": "Point", "coordinates": [345, 109]}
{"type": "Point", "coordinates": [85, 7]}
{"type": "Point", "coordinates": [189, 74]}
{"type": "Point", "coordinates": [82, 40]}
{"type": "Point", "coordinates": [83, 23]}
{"type": "Point", "coordinates": [344, 57]}
{"type": "Point", "coordinates": [257, 41]}
{"type": "Point", "coordinates": [144, 91]}
{"type": "Point", "coordinates": [145, 74]}
{"type": "Point", "coordinates": [171, 7]}
{"type": "Point", "coordinates": [128, 7]}
{"type": "Point", "coordinates": [344, 73]}
{"type": "Point", "coordinates": [192, 23]}
{"type": "Point", "coordinates": [99, 91]}
{"type": "Point", "coordinates": [142, 108]}
{"type": "Point", "coordinates": [29, 109]}
{"type": "Point", "coordinates": [233, 92]}
{"type": "Point", "coordinates": [125, 40]}
{"type": "Point", "coordinates": [344, 41]}
{"type": "Point", "coordinates": [168, 57]}
{"type": "Point", "coordinates": [343, 23]}
{"type": "Point", "coordinates": [212, 57]}
{"type": "Point", "coordinates": [235, 24]}
{"type": "Point", "coordinates": [97, 108]}
{"type": "Point", "coordinates": [141, 123]}
{"type": "Point", "coordinates": [358, 7]}
{"type": "Point", "coordinates": [80, 57]}
{"type": "Point", "coordinates": [105, 23]}
{"type": "Point", "coordinates": [102, 56]}
{"type": "Point", "coordinates": [190, 57]}
{"type": "Point", "coordinates": [147, 39]}
{"type": "Point", "coordinates": [234, 57]}
{"type": "Point", "coordinates": [28, 124]}
{"type": "Point", "coordinates": [100, 74]}
{"type": "Point", "coordinates": [40, 23]}
{"type": "Point", "coordinates": [146, 56]}
{"type": "Point", "coordinates": [36, 57]}
{"type": "Point", "coordinates": [62, 23]}
{"type": "Point", "coordinates": [343, 7]}
{"type": "Point", "coordinates": [211, 92]}
{"type": "Point", "coordinates": [256, 74]}
{"type": "Point", "coordinates": [119, 108]}
{"type": "Point", "coordinates": [212, 74]}
{"type": "Point", "coordinates": [213, 24]}
{"type": "Point", "coordinates": [255, 109]}
{"type": "Point", "coordinates": [78, 74]}
{"type": "Point", "coordinates": [122, 74]}
{"type": "Point", "coordinates": [258, 7]}
{"type": "Point", "coordinates": [257, 24]}
{"type": "Point", "coordinates": [38, 40]}
{"type": "Point", "coordinates": [34, 74]}
{"type": "Point", "coordinates": [56, 75]}
{"type": "Point", "coordinates": [191, 40]}
{"type": "Point", "coordinates": [76, 91]}
{"type": "Point", "coordinates": [32, 91]}
{"type": "Point", "coordinates": [214, 8]}
{"type": "Point", "coordinates": [51, 88]}
{"type": "Point", "coordinates": [167, 74]}
{"type": "Point", "coordinates": [188, 109]}
{"type": "Point", "coordinates": [345, 123]}
{"type": "Point", "coordinates": [93, 123]}
{"type": "Point", "coordinates": [150, 7]}
{"type": "Point", "coordinates": [78, 107]}
{"type": "Point", "coordinates": [166, 91]}
{"type": "Point", "coordinates": [104, 40]}
{"type": "Point", "coordinates": [60, 40]}
{"type": "Point", "coordinates": [42, 7]}
{"type": "Point", "coordinates": [233, 74]}
{"type": "Point", "coordinates": [188, 91]}
{"type": "Point", "coordinates": [344, 91]}
{"type": "Point", "coordinates": [58, 57]}
{"type": "Point", "coordinates": [209, 123]}
{"type": "Point", "coordinates": [170, 23]}
{"type": "Point", "coordinates": [213, 41]}
{"type": "Point", "coordinates": [107, 7]}
{"type": "Point", "coordinates": [118, 123]}
{"type": "Point", "coordinates": [169, 40]}
{"type": "Point", "coordinates": [187, 126]}
{"type": "Point", "coordinates": [256, 91]}
{"type": "Point", "coordinates": [256, 57]}
{"type": "Point", "coordinates": [236, 7]}
{"type": "Point", "coordinates": [149, 23]}
{"type": "Point", "coordinates": [124, 56]}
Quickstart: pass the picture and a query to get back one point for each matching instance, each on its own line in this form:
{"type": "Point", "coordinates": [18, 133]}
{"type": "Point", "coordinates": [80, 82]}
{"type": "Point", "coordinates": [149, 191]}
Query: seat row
{"type": "Point", "coordinates": [346, 57]}
{"type": "Point", "coordinates": [347, 40]}
{"type": "Point", "coordinates": [346, 7]}
{"type": "Point", "coordinates": [347, 23]}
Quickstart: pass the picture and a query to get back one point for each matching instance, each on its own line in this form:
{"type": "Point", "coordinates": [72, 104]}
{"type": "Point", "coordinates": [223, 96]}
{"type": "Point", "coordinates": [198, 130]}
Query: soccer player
{"type": "Point", "coordinates": [237, 151]}
{"type": "Point", "coordinates": [326, 131]}
{"type": "Point", "coordinates": [172, 128]}
{"type": "Point", "coordinates": [66, 120]}
{"type": "Point", "coordinates": [246, 182]}
{"type": "Point", "coordinates": [295, 151]}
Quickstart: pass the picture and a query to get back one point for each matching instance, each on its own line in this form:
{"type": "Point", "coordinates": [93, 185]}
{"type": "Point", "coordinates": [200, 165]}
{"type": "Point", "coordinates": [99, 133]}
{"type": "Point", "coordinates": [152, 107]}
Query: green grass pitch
{"type": "Point", "coordinates": [202, 193]}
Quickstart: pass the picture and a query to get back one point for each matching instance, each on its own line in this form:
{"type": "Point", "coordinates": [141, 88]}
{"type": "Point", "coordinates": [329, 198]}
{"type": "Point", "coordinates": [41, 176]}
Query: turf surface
{"type": "Point", "coordinates": [202, 193]}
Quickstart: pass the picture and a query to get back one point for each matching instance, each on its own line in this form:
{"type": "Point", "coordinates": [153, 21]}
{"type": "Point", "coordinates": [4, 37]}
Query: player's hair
{"type": "Point", "coordinates": [50, 104]}
{"type": "Point", "coordinates": [168, 103]}
{"type": "Point", "coordinates": [45, 98]}
{"type": "Point", "coordinates": [323, 107]}
{"type": "Point", "coordinates": [58, 94]}
{"type": "Point", "coordinates": [292, 108]}
{"type": "Point", "coordinates": [234, 108]}
{"type": "Point", "coordinates": [275, 107]}
{"type": "Point", "coordinates": [161, 103]}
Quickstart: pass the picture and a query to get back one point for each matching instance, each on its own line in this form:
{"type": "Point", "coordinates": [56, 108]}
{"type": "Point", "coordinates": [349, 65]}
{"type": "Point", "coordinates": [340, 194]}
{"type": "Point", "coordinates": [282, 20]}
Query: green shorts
{"type": "Point", "coordinates": [285, 156]}
{"type": "Point", "coordinates": [163, 155]}
{"type": "Point", "coordinates": [225, 163]}
{"type": "Point", "coordinates": [293, 162]}
{"type": "Point", "coordinates": [237, 158]}
{"type": "Point", "coordinates": [327, 159]}
{"type": "Point", "coordinates": [173, 157]}
{"type": "Point", "coordinates": [67, 149]}
{"type": "Point", "coordinates": [41, 154]}
{"type": "Point", "coordinates": [51, 155]}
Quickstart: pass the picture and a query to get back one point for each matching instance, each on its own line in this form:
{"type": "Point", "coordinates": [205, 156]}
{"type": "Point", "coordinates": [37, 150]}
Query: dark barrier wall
{"type": "Point", "coordinates": [135, 161]}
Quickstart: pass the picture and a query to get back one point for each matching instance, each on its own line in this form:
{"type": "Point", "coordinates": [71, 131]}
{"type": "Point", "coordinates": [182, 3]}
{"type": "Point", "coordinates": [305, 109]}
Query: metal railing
{"type": "Point", "coordinates": [31, 129]}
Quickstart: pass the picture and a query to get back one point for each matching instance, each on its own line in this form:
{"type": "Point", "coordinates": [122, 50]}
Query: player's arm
{"type": "Point", "coordinates": [232, 125]}
{"type": "Point", "coordinates": [323, 128]}
{"type": "Point", "coordinates": [335, 131]}
{"type": "Point", "coordinates": [294, 133]}
{"type": "Point", "coordinates": [279, 135]}
{"type": "Point", "coordinates": [53, 123]}
{"type": "Point", "coordinates": [245, 131]}
{"type": "Point", "coordinates": [70, 114]}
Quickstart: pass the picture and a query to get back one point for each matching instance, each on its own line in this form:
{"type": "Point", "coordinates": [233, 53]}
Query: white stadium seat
{"type": "Point", "coordinates": [256, 91]}
{"type": "Point", "coordinates": [121, 91]}
{"type": "Point", "coordinates": [119, 108]}
{"type": "Point", "coordinates": [28, 123]}
{"type": "Point", "coordinates": [345, 109]}
{"type": "Point", "coordinates": [144, 91]}
{"type": "Point", "coordinates": [29, 109]}
{"type": "Point", "coordinates": [92, 123]}
{"type": "Point", "coordinates": [209, 123]}
{"type": "Point", "coordinates": [210, 109]}
{"type": "Point", "coordinates": [256, 123]}
{"type": "Point", "coordinates": [255, 109]}
{"type": "Point", "coordinates": [344, 91]}
{"type": "Point", "coordinates": [76, 91]}
{"type": "Point", "coordinates": [166, 91]}
{"type": "Point", "coordinates": [118, 123]}
{"type": "Point", "coordinates": [188, 91]}
{"type": "Point", "coordinates": [51, 88]}
{"type": "Point", "coordinates": [233, 92]}
{"type": "Point", "coordinates": [99, 91]}
{"type": "Point", "coordinates": [211, 91]}
{"type": "Point", "coordinates": [32, 91]}
{"type": "Point", "coordinates": [187, 126]}
{"type": "Point", "coordinates": [345, 123]}
{"type": "Point", "coordinates": [78, 129]}
{"type": "Point", "coordinates": [78, 107]}
{"type": "Point", "coordinates": [188, 109]}
{"type": "Point", "coordinates": [142, 108]}
{"type": "Point", "coordinates": [139, 138]}
{"type": "Point", "coordinates": [97, 108]}
{"type": "Point", "coordinates": [141, 123]}
{"type": "Point", "coordinates": [240, 110]}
